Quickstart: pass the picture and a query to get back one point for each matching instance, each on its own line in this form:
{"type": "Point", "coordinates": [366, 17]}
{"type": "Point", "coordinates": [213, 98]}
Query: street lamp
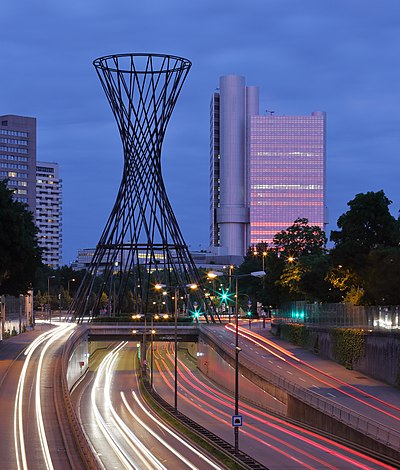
{"type": "Point", "coordinates": [258, 274]}
{"type": "Point", "coordinates": [231, 268]}
{"type": "Point", "coordinates": [153, 332]}
{"type": "Point", "coordinates": [48, 294]}
{"type": "Point", "coordinates": [69, 281]}
{"type": "Point", "coordinates": [263, 255]}
{"type": "Point", "coordinates": [213, 275]}
{"type": "Point", "coordinates": [176, 293]}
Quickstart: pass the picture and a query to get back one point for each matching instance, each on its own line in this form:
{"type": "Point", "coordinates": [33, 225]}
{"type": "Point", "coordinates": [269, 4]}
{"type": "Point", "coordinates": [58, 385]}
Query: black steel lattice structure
{"type": "Point", "coordinates": [141, 244]}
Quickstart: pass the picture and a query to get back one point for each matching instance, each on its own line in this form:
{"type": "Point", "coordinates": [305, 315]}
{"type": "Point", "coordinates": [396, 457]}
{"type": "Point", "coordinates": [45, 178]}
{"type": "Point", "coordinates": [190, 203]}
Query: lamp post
{"type": "Point", "coordinates": [48, 295]}
{"type": "Point", "coordinates": [231, 268]}
{"type": "Point", "coordinates": [258, 274]}
{"type": "Point", "coordinates": [153, 331]}
{"type": "Point", "coordinates": [115, 272]}
{"type": "Point", "coordinates": [176, 349]}
{"type": "Point", "coordinates": [265, 253]}
{"type": "Point", "coordinates": [213, 275]}
{"type": "Point", "coordinates": [176, 293]}
{"type": "Point", "coordinates": [69, 283]}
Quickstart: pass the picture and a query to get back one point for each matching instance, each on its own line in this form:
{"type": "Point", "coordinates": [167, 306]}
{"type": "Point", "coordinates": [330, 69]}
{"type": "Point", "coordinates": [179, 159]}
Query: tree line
{"type": "Point", "coordinates": [361, 267]}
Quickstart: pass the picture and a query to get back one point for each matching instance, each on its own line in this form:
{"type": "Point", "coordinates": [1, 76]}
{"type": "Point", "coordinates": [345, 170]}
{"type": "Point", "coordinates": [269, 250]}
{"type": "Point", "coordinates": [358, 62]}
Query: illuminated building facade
{"type": "Point", "coordinates": [287, 173]}
{"type": "Point", "coordinates": [49, 212]}
{"type": "Point", "coordinates": [36, 184]}
{"type": "Point", "coordinates": [265, 170]}
{"type": "Point", "coordinates": [18, 157]}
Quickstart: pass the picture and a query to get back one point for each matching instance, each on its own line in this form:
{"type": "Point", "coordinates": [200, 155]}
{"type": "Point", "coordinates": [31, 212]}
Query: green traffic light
{"type": "Point", "coordinates": [224, 296]}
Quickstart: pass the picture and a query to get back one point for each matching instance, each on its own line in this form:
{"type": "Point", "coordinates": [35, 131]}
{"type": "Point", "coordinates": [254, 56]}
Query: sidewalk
{"type": "Point", "coordinates": [12, 348]}
{"type": "Point", "coordinates": [380, 389]}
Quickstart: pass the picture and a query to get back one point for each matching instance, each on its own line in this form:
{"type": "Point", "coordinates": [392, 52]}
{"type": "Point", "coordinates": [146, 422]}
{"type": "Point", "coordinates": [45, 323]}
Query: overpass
{"type": "Point", "coordinates": [133, 331]}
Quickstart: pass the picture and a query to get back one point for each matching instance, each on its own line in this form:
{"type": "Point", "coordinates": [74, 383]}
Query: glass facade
{"type": "Point", "coordinates": [214, 169]}
{"type": "Point", "coordinates": [287, 173]}
{"type": "Point", "coordinates": [266, 171]}
{"type": "Point", "coordinates": [18, 144]}
{"type": "Point", "coordinates": [49, 212]}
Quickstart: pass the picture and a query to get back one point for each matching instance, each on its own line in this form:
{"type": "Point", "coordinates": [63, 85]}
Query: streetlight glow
{"type": "Point", "coordinates": [214, 274]}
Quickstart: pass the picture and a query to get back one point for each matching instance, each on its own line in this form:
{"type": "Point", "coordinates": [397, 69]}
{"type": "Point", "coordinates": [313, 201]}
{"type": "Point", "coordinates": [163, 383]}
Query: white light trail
{"type": "Point", "coordinates": [139, 450]}
{"type": "Point", "coordinates": [169, 431]}
{"type": "Point", "coordinates": [39, 417]}
{"type": "Point", "coordinates": [125, 459]}
{"type": "Point", "coordinates": [133, 441]}
{"type": "Point", "coordinates": [19, 440]}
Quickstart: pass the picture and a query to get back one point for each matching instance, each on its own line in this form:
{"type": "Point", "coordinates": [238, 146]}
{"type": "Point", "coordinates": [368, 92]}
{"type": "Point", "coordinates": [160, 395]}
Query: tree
{"type": "Point", "coordinates": [381, 277]}
{"type": "Point", "coordinates": [295, 267]}
{"type": "Point", "coordinates": [257, 289]}
{"type": "Point", "coordinates": [365, 226]}
{"type": "Point", "coordinates": [306, 263]}
{"type": "Point", "coordinates": [366, 250]}
{"type": "Point", "coordinates": [20, 254]}
{"type": "Point", "coordinates": [300, 239]}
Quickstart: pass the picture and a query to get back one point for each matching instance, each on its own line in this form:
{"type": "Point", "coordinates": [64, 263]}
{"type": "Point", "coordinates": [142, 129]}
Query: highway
{"type": "Point", "coordinates": [326, 379]}
{"type": "Point", "coordinates": [123, 430]}
{"type": "Point", "coordinates": [270, 440]}
{"type": "Point", "coordinates": [126, 434]}
{"type": "Point", "coordinates": [34, 433]}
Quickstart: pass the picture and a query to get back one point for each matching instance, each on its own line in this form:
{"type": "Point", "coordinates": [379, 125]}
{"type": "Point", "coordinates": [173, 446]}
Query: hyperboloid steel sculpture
{"type": "Point", "coordinates": [141, 245]}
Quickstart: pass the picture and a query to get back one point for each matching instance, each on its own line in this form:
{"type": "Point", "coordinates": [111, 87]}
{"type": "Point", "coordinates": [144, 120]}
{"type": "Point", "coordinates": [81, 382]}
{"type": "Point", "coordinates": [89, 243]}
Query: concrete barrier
{"type": "Point", "coordinates": [87, 454]}
{"type": "Point", "coordinates": [298, 403]}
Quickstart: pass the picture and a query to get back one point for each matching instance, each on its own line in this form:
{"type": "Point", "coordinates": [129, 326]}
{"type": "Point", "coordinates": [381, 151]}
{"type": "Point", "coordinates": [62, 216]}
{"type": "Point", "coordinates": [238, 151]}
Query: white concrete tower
{"type": "Point", "coordinates": [233, 213]}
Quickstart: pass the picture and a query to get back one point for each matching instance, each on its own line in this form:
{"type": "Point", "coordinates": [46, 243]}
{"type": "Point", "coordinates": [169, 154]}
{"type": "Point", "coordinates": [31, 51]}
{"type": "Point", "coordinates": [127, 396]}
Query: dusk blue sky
{"type": "Point", "coordinates": [338, 56]}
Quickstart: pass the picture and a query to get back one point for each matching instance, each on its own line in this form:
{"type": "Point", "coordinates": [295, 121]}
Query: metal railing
{"type": "Point", "coordinates": [373, 429]}
{"type": "Point", "coordinates": [340, 315]}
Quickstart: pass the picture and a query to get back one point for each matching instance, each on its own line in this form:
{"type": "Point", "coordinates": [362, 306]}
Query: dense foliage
{"type": "Point", "coordinates": [348, 345]}
{"type": "Point", "coordinates": [19, 251]}
{"type": "Point", "coordinates": [362, 268]}
{"type": "Point", "coordinates": [366, 252]}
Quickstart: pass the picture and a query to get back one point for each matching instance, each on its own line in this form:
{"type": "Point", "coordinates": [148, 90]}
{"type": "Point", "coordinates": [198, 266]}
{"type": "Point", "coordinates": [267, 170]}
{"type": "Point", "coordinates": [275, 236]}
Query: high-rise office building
{"type": "Point", "coordinates": [287, 173]}
{"type": "Point", "coordinates": [49, 212]}
{"type": "Point", "coordinates": [265, 170]}
{"type": "Point", "coordinates": [36, 184]}
{"type": "Point", "coordinates": [18, 157]}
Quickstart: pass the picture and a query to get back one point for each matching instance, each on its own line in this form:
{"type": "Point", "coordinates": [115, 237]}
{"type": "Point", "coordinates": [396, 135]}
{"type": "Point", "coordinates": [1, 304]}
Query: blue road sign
{"type": "Point", "coordinates": [237, 420]}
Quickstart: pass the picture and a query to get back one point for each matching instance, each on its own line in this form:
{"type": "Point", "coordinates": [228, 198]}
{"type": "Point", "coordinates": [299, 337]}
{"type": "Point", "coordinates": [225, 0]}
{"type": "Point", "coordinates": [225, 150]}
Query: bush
{"type": "Point", "coordinates": [348, 345]}
{"type": "Point", "coordinates": [7, 334]}
{"type": "Point", "coordinates": [295, 334]}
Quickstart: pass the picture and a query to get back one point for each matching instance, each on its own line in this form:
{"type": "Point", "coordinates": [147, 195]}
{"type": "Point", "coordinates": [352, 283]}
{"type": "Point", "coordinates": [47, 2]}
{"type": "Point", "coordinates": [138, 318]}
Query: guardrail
{"type": "Point", "coordinates": [89, 458]}
{"type": "Point", "coordinates": [367, 426]}
{"type": "Point", "coordinates": [361, 423]}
